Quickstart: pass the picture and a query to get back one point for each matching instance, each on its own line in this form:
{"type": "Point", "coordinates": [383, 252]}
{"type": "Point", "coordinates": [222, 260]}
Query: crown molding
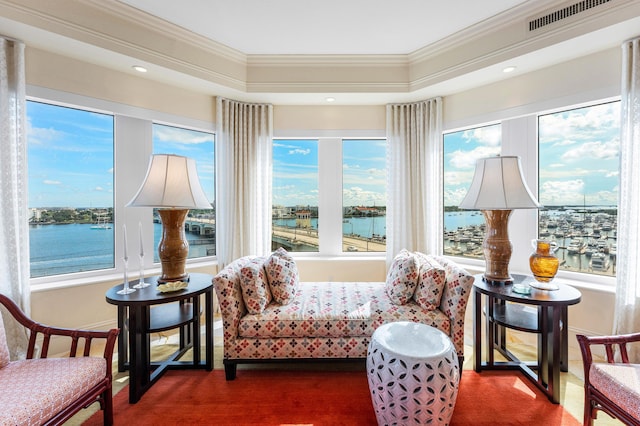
{"type": "Point", "coordinates": [152, 23]}
{"type": "Point", "coordinates": [122, 29]}
{"type": "Point", "coordinates": [327, 87]}
{"type": "Point", "coordinates": [327, 60]}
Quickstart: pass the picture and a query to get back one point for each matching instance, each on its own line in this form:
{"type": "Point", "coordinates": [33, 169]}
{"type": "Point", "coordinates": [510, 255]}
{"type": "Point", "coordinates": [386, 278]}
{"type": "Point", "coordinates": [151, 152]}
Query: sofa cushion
{"type": "Point", "coordinates": [4, 349]}
{"type": "Point", "coordinates": [336, 309]}
{"type": "Point", "coordinates": [620, 383]}
{"type": "Point", "coordinates": [402, 277]}
{"type": "Point", "coordinates": [282, 274]}
{"type": "Point", "coordinates": [34, 390]}
{"type": "Point", "coordinates": [431, 279]}
{"type": "Point", "coordinates": [255, 288]}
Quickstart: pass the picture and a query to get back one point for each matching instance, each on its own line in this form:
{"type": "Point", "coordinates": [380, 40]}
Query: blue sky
{"type": "Point", "coordinates": [364, 178]}
{"type": "Point", "coordinates": [295, 172]}
{"type": "Point", "coordinates": [578, 157]}
{"type": "Point", "coordinates": [70, 155]}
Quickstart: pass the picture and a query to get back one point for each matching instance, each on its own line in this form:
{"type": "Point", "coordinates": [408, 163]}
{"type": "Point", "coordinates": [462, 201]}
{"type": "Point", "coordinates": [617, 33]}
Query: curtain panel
{"type": "Point", "coordinates": [627, 308]}
{"type": "Point", "coordinates": [243, 187]}
{"type": "Point", "coordinates": [14, 222]}
{"type": "Point", "coordinates": [414, 167]}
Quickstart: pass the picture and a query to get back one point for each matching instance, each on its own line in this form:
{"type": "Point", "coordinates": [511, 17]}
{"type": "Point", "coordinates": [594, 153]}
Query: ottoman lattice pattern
{"type": "Point", "coordinates": [413, 375]}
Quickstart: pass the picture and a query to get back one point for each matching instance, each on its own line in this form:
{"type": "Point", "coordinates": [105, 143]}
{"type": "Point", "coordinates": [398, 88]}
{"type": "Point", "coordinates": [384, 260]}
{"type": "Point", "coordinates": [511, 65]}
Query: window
{"type": "Point", "coordinates": [295, 195]}
{"type": "Point", "coordinates": [200, 224]}
{"type": "Point", "coordinates": [464, 229]}
{"type": "Point", "coordinates": [364, 195]}
{"type": "Point", "coordinates": [579, 167]}
{"type": "Point", "coordinates": [70, 155]}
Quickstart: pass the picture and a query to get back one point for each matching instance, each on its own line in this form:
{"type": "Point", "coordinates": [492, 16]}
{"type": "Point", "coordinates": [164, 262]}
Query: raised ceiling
{"type": "Point", "coordinates": [328, 27]}
{"type": "Point", "coordinates": [301, 52]}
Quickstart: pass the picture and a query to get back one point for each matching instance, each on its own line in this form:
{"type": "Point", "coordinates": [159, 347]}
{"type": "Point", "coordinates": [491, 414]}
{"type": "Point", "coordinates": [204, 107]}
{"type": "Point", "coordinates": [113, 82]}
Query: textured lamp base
{"type": "Point", "coordinates": [497, 247]}
{"type": "Point", "coordinates": [173, 248]}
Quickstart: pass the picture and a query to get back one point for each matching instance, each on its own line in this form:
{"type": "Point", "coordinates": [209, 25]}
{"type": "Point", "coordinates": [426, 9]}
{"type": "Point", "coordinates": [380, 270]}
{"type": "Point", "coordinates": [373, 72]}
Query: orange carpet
{"type": "Point", "coordinates": [276, 397]}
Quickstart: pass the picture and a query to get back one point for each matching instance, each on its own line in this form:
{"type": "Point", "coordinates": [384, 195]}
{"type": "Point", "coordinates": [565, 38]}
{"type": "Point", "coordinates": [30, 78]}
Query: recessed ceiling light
{"type": "Point", "coordinates": [139, 68]}
{"type": "Point", "coordinates": [330, 99]}
{"type": "Point", "coordinates": [509, 69]}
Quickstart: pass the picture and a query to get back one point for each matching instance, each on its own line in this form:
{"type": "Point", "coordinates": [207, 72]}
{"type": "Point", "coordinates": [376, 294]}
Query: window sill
{"type": "Point", "coordinates": [111, 276]}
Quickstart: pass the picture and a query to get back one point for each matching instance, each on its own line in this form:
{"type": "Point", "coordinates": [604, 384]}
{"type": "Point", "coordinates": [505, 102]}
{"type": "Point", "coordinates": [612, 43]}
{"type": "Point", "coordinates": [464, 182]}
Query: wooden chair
{"type": "Point", "coordinates": [613, 387]}
{"type": "Point", "coordinates": [41, 390]}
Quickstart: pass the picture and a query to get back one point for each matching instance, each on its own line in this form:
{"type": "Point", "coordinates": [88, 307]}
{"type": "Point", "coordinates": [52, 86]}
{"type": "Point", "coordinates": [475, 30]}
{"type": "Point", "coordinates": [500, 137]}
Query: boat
{"type": "Point", "coordinates": [577, 246]}
{"type": "Point", "coordinates": [101, 222]}
{"type": "Point", "coordinates": [599, 262]}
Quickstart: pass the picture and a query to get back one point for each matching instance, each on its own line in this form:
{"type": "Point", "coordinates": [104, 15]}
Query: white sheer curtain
{"type": "Point", "coordinates": [627, 314]}
{"type": "Point", "coordinates": [243, 166]}
{"type": "Point", "coordinates": [414, 167]}
{"type": "Point", "coordinates": [14, 228]}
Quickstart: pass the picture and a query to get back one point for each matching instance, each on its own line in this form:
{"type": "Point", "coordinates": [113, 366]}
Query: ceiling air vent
{"type": "Point", "coordinates": [565, 12]}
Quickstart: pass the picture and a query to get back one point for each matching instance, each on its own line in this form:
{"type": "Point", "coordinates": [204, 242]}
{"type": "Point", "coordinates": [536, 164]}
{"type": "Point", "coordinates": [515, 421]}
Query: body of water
{"type": "Point", "coordinates": [61, 249]}
{"type": "Point", "coordinates": [578, 235]}
{"type": "Point", "coordinates": [362, 226]}
{"type": "Point", "coordinates": [64, 249]}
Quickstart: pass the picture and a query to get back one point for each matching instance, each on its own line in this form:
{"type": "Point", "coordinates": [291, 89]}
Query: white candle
{"type": "Point", "coordinates": [124, 229]}
{"type": "Point", "coordinates": [141, 244]}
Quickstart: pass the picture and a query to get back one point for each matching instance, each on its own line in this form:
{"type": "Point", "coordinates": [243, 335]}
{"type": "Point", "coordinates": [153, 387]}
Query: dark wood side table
{"type": "Point", "coordinates": [149, 311]}
{"type": "Point", "coordinates": [542, 311]}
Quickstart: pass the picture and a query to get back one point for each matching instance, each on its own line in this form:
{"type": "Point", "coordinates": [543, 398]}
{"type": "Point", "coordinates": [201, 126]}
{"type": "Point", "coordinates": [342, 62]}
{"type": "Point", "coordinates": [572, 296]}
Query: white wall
{"type": "Point", "coordinates": [581, 80]}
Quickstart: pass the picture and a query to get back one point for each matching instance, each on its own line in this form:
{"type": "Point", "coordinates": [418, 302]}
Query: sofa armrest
{"type": "Point", "coordinates": [229, 292]}
{"type": "Point", "coordinates": [453, 304]}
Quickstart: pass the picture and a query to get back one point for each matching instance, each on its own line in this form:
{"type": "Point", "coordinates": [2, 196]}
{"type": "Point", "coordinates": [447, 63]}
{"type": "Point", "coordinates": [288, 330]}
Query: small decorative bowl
{"type": "Point", "coordinates": [171, 286]}
{"type": "Point", "coordinates": [522, 288]}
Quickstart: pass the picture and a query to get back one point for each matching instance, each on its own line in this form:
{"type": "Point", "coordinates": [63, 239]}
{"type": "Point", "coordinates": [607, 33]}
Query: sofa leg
{"type": "Point", "coordinates": [230, 370]}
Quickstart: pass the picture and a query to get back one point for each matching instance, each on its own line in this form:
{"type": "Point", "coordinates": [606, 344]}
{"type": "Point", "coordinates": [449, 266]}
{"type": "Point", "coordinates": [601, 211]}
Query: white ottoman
{"type": "Point", "coordinates": [413, 374]}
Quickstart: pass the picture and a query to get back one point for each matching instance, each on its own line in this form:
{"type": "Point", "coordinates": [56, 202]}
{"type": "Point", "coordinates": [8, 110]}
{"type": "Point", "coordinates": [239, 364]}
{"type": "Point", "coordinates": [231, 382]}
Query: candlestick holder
{"type": "Point", "coordinates": [126, 289]}
{"type": "Point", "coordinates": [141, 283]}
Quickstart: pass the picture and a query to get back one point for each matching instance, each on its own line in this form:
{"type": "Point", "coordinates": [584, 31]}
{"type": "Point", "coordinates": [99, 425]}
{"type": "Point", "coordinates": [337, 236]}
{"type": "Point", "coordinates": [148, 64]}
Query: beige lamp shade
{"type": "Point", "coordinates": [171, 182]}
{"type": "Point", "coordinates": [172, 186]}
{"type": "Point", "coordinates": [498, 184]}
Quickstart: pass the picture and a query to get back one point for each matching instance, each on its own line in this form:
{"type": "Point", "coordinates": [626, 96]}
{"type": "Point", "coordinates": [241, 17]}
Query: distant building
{"type": "Point", "coordinates": [303, 219]}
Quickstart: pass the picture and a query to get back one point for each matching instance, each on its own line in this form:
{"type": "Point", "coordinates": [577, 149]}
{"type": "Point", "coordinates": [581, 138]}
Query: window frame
{"type": "Point", "coordinates": [132, 149]}
{"type": "Point", "coordinates": [520, 137]}
{"type": "Point", "coordinates": [330, 187]}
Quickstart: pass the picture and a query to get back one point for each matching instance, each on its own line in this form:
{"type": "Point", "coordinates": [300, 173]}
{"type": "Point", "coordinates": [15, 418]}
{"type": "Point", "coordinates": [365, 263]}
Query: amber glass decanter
{"type": "Point", "coordinates": [544, 263]}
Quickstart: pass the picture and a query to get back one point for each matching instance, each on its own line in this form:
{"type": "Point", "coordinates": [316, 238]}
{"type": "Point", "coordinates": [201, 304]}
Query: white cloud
{"type": "Point", "coordinates": [184, 136]}
{"type": "Point", "coordinates": [467, 159]}
{"type": "Point", "coordinates": [300, 151]}
{"type": "Point", "coordinates": [595, 150]}
{"type": "Point", "coordinates": [51, 182]}
{"type": "Point", "coordinates": [488, 136]}
{"type": "Point", "coordinates": [562, 192]}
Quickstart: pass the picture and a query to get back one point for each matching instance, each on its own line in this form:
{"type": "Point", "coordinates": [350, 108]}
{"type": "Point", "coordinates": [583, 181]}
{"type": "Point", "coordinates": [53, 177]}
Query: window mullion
{"type": "Point", "coordinates": [330, 196]}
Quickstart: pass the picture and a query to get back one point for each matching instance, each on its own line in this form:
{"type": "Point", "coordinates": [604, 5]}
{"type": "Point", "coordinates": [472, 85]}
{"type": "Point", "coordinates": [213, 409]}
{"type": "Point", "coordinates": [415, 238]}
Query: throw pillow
{"type": "Point", "coordinates": [4, 349]}
{"type": "Point", "coordinates": [402, 278]}
{"type": "Point", "coordinates": [431, 279]}
{"type": "Point", "coordinates": [282, 274]}
{"type": "Point", "coordinates": [255, 288]}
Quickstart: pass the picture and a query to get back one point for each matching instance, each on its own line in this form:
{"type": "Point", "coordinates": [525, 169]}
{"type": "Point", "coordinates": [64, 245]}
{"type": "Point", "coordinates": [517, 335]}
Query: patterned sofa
{"type": "Point", "coordinates": [331, 320]}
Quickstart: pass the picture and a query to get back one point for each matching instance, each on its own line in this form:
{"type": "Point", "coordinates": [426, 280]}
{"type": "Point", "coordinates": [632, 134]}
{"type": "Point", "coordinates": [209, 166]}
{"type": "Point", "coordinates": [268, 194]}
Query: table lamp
{"type": "Point", "coordinates": [498, 188]}
{"type": "Point", "coordinates": [172, 186]}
